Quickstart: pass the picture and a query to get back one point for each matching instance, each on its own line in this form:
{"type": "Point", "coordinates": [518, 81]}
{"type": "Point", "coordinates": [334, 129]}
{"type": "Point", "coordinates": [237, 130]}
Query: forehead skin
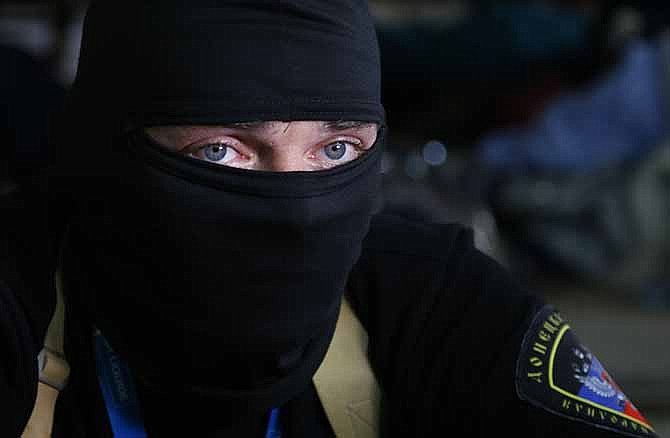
{"type": "Point", "coordinates": [266, 127]}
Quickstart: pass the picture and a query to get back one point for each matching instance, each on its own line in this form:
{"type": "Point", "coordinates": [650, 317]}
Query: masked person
{"type": "Point", "coordinates": [221, 170]}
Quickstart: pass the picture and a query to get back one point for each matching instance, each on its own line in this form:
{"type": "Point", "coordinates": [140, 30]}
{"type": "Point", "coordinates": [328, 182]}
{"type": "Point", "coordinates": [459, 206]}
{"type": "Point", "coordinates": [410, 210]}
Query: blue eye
{"type": "Point", "coordinates": [335, 151]}
{"type": "Point", "coordinates": [215, 152]}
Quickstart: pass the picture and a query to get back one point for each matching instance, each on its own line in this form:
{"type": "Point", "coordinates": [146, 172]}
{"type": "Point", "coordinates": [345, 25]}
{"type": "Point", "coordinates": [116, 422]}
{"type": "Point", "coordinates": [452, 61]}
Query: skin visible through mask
{"type": "Point", "coordinates": [271, 146]}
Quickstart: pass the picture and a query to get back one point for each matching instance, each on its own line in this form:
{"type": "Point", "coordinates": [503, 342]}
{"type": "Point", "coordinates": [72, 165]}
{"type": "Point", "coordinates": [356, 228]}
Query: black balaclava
{"type": "Point", "coordinates": [211, 280]}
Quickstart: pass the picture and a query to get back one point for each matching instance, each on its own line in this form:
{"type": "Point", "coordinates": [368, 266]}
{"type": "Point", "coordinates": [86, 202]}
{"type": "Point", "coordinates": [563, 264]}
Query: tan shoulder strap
{"type": "Point", "coordinates": [346, 385]}
{"type": "Point", "coordinates": [54, 372]}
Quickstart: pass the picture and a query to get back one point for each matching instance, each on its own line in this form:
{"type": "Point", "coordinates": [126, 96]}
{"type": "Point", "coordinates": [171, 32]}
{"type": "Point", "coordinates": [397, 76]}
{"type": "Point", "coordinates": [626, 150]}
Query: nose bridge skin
{"type": "Point", "coordinates": [289, 159]}
{"type": "Point", "coordinates": [288, 144]}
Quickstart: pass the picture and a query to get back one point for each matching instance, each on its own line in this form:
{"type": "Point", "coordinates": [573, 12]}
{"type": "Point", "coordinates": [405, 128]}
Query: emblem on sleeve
{"type": "Point", "coordinates": [558, 373]}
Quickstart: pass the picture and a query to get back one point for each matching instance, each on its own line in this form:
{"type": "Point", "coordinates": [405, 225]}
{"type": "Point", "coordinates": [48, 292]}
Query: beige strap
{"type": "Point", "coordinates": [345, 382]}
{"type": "Point", "coordinates": [54, 372]}
{"type": "Point", "coordinates": [41, 420]}
{"type": "Point", "coordinates": [55, 337]}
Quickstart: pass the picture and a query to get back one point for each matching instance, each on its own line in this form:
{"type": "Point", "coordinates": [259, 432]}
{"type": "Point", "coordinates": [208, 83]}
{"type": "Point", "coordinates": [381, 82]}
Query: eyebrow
{"type": "Point", "coordinates": [341, 125]}
{"type": "Point", "coordinates": [334, 126]}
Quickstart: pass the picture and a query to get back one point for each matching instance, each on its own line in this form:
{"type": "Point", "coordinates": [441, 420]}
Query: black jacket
{"type": "Point", "coordinates": [446, 325]}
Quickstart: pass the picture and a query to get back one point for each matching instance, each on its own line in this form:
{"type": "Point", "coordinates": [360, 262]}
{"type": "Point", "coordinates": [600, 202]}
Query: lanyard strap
{"type": "Point", "coordinates": [274, 430]}
{"type": "Point", "coordinates": [118, 390]}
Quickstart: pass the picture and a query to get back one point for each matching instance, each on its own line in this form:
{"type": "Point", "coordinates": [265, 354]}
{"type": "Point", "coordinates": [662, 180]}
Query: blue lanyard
{"type": "Point", "coordinates": [274, 430]}
{"type": "Point", "coordinates": [118, 390]}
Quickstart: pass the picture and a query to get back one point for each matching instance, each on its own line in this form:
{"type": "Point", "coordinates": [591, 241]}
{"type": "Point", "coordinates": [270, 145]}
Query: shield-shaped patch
{"type": "Point", "coordinates": [558, 373]}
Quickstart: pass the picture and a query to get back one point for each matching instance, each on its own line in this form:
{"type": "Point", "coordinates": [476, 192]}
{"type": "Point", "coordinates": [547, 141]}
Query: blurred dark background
{"type": "Point", "coordinates": [542, 124]}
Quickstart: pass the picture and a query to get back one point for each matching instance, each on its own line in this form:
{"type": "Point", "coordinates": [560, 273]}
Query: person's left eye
{"type": "Point", "coordinates": [335, 151]}
{"type": "Point", "coordinates": [340, 152]}
{"type": "Point", "coordinates": [218, 153]}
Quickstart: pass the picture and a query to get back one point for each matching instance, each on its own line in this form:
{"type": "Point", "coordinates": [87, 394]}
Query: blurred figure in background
{"type": "Point", "coordinates": [454, 70]}
{"type": "Point", "coordinates": [541, 124]}
{"type": "Point", "coordinates": [584, 185]}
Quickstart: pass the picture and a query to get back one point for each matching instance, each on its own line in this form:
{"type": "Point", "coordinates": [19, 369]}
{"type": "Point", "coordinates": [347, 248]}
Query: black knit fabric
{"type": "Point", "coordinates": [207, 61]}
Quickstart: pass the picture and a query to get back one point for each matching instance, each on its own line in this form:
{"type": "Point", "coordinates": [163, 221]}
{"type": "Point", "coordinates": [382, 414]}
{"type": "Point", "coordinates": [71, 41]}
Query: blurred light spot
{"type": "Point", "coordinates": [434, 153]}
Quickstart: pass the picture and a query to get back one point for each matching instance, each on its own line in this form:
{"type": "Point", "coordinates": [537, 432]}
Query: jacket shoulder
{"type": "Point", "coordinates": [396, 235]}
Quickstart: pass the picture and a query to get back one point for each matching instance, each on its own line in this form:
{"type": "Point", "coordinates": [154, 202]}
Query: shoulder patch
{"type": "Point", "coordinates": [558, 373]}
